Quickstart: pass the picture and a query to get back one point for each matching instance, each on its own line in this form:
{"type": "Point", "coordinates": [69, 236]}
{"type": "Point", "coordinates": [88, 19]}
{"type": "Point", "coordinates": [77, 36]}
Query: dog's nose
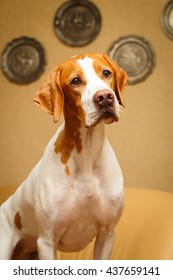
{"type": "Point", "coordinates": [104, 97]}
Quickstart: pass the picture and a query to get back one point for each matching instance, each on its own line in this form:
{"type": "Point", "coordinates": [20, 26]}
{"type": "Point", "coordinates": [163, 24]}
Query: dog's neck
{"type": "Point", "coordinates": [80, 144]}
{"type": "Point", "coordinates": [92, 144]}
{"type": "Point", "coordinates": [92, 138]}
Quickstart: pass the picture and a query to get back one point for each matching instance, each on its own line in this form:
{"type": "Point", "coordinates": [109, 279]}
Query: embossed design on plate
{"type": "Point", "coordinates": [135, 55]}
{"type": "Point", "coordinates": [167, 19]}
{"type": "Point", "coordinates": [77, 23]}
{"type": "Point", "coordinates": [23, 60]}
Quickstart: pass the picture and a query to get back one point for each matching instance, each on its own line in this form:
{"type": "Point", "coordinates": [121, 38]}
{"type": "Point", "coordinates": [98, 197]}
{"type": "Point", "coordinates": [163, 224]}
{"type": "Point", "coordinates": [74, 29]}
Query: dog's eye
{"type": "Point", "coordinates": [75, 82]}
{"type": "Point", "coordinates": [107, 73]}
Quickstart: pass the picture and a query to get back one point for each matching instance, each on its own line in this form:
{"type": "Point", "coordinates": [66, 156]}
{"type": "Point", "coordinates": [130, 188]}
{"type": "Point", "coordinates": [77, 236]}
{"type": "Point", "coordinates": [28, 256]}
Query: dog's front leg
{"type": "Point", "coordinates": [46, 248]}
{"type": "Point", "coordinates": [104, 244]}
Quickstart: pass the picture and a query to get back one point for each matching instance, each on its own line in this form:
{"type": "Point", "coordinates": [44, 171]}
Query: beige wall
{"type": "Point", "coordinates": [143, 137]}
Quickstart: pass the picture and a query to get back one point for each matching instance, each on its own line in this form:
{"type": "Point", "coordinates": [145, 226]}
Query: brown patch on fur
{"type": "Point", "coordinates": [26, 249]}
{"type": "Point", "coordinates": [70, 137]}
{"type": "Point", "coordinates": [67, 170]}
{"type": "Point", "coordinates": [57, 94]}
{"type": "Point", "coordinates": [17, 221]}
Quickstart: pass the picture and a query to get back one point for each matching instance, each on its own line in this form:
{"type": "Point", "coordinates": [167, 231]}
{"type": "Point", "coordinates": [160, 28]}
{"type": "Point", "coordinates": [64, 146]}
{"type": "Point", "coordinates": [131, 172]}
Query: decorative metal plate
{"type": "Point", "coordinates": [167, 19]}
{"type": "Point", "coordinates": [135, 55]}
{"type": "Point", "coordinates": [77, 23]}
{"type": "Point", "coordinates": [23, 60]}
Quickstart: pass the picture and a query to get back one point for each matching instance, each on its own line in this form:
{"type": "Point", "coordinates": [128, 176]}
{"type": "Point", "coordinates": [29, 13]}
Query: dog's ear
{"type": "Point", "coordinates": [50, 97]}
{"type": "Point", "coordinates": [121, 79]}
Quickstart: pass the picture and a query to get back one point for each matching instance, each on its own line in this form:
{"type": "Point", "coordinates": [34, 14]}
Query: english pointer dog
{"type": "Point", "coordinates": [75, 192]}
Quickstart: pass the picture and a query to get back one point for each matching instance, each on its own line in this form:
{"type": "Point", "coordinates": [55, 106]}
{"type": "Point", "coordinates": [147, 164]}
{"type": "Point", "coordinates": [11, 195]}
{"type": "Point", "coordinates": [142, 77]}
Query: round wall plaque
{"type": "Point", "coordinates": [135, 55]}
{"type": "Point", "coordinates": [77, 22]}
{"type": "Point", "coordinates": [167, 19]}
{"type": "Point", "coordinates": [23, 60]}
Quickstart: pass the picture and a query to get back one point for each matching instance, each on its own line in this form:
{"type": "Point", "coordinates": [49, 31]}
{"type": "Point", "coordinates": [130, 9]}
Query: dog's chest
{"type": "Point", "coordinates": [84, 198]}
{"type": "Point", "coordinates": [87, 208]}
{"type": "Point", "coordinates": [86, 189]}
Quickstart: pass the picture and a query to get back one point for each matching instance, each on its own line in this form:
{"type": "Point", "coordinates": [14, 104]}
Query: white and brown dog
{"type": "Point", "coordinates": [75, 192]}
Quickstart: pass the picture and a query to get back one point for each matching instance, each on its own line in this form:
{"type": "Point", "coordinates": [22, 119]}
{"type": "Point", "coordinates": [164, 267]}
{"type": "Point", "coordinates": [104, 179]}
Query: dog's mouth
{"type": "Point", "coordinates": [107, 115]}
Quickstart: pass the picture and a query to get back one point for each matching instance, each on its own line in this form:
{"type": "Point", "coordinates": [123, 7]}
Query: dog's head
{"type": "Point", "coordinates": [87, 87]}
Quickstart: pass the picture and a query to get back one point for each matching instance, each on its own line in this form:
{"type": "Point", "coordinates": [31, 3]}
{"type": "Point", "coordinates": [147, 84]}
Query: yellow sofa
{"type": "Point", "coordinates": [145, 230]}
